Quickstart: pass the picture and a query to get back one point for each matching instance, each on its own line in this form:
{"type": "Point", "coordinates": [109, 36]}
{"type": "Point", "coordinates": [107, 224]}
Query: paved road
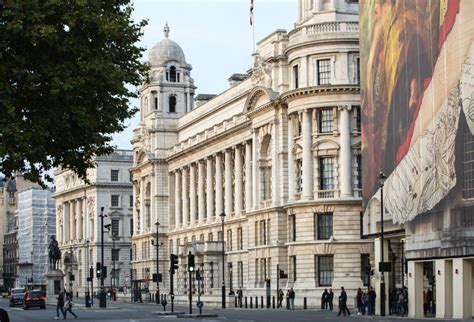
{"type": "Point", "coordinates": [127, 312]}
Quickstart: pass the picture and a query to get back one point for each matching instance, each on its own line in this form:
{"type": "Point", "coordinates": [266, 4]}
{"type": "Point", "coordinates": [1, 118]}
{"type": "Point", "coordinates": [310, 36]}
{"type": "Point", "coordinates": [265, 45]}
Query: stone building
{"type": "Point", "coordinates": [78, 225]}
{"type": "Point", "coordinates": [278, 153]}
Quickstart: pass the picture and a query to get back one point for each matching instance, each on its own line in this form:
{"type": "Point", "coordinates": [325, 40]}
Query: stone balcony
{"type": "Point", "coordinates": [324, 30]}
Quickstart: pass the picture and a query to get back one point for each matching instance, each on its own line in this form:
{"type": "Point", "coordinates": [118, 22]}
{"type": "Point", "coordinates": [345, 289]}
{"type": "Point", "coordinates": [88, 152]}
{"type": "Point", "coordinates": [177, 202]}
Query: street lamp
{"type": "Point", "coordinates": [90, 277]}
{"type": "Point", "coordinates": [382, 178]}
{"type": "Point", "coordinates": [102, 297]}
{"type": "Point", "coordinates": [113, 277]}
{"type": "Point", "coordinates": [157, 244]}
{"type": "Point", "coordinates": [222, 215]}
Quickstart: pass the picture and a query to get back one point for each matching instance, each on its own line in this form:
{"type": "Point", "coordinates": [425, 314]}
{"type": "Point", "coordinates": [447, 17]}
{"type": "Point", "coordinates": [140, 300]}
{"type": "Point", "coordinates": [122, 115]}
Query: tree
{"type": "Point", "coordinates": [67, 71]}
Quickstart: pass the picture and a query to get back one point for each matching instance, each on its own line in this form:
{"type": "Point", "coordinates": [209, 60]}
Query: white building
{"type": "Point", "coordinates": [278, 153]}
{"type": "Point", "coordinates": [78, 225]}
{"type": "Point", "coordinates": [36, 223]}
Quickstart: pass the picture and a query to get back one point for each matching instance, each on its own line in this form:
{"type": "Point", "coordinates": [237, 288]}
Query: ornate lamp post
{"type": "Point", "coordinates": [157, 244]}
{"type": "Point", "coordinates": [103, 296]}
{"type": "Point", "coordinates": [382, 178]}
{"type": "Point", "coordinates": [222, 215]}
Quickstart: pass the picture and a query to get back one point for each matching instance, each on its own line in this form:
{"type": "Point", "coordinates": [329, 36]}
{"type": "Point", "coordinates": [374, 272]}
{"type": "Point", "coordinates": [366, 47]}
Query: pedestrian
{"type": "Point", "coordinates": [372, 297]}
{"type": "Point", "coordinates": [292, 298]}
{"type": "Point", "coordinates": [324, 299]}
{"type": "Point", "coordinates": [287, 299]}
{"type": "Point", "coordinates": [359, 296]}
{"type": "Point", "coordinates": [400, 303]}
{"type": "Point", "coordinates": [4, 316]}
{"type": "Point", "coordinates": [425, 302]}
{"type": "Point", "coordinates": [239, 297]}
{"type": "Point", "coordinates": [331, 299]}
{"type": "Point", "coordinates": [68, 306]}
{"type": "Point", "coordinates": [60, 305]}
{"type": "Point", "coordinates": [280, 297]}
{"type": "Point", "coordinates": [343, 303]}
{"type": "Point", "coordinates": [365, 302]}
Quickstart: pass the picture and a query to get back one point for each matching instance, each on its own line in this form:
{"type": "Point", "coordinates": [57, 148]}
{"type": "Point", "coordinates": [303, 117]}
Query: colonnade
{"type": "Point", "coordinates": [74, 226]}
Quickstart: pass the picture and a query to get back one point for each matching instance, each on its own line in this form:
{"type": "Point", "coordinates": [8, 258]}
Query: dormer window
{"type": "Point", "coordinates": [172, 104]}
{"type": "Point", "coordinates": [173, 74]}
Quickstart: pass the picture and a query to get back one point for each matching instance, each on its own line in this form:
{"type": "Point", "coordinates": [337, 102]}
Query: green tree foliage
{"type": "Point", "coordinates": [67, 71]}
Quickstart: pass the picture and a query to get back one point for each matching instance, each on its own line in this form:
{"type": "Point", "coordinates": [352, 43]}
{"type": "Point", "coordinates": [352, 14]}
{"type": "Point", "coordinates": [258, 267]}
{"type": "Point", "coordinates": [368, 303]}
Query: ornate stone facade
{"type": "Point", "coordinates": [278, 153]}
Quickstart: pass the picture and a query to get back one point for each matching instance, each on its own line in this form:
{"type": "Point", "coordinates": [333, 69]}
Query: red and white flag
{"type": "Point", "coordinates": [251, 12]}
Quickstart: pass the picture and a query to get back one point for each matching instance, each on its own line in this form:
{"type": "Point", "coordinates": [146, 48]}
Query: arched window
{"type": "Point", "coordinates": [173, 74]}
{"type": "Point", "coordinates": [172, 104]}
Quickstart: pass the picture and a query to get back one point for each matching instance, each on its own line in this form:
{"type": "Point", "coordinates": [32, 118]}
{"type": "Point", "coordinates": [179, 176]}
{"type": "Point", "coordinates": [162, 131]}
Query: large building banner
{"type": "Point", "coordinates": [417, 72]}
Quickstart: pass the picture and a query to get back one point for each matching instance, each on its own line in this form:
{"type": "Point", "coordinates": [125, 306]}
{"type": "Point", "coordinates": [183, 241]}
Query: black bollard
{"type": "Point", "coordinates": [256, 302]}
{"type": "Point", "coordinates": [273, 302]}
{"type": "Point", "coordinates": [251, 302]}
{"type": "Point", "coordinates": [246, 302]}
{"type": "Point", "coordinates": [305, 304]}
{"type": "Point", "coordinates": [261, 302]}
{"type": "Point", "coordinates": [235, 301]}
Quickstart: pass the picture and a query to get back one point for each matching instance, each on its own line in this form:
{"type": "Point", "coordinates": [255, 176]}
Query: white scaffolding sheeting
{"type": "Point", "coordinates": [36, 223]}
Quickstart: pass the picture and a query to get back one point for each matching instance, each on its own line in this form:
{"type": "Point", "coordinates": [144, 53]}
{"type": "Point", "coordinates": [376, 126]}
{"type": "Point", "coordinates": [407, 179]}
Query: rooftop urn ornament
{"type": "Point", "coordinates": [166, 30]}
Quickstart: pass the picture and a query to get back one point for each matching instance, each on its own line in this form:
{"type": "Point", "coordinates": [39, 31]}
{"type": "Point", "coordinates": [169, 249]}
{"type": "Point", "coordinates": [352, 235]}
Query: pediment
{"type": "Point", "coordinates": [258, 97]}
{"type": "Point", "coordinates": [327, 145]}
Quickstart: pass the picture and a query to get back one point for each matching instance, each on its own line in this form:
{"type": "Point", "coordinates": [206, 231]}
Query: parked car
{"type": "Point", "coordinates": [34, 298]}
{"type": "Point", "coordinates": [16, 296]}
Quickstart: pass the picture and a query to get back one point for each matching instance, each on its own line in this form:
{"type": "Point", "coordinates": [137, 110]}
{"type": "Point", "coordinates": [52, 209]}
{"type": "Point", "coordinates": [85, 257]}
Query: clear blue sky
{"type": "Point", "coordinates": [215, 35]}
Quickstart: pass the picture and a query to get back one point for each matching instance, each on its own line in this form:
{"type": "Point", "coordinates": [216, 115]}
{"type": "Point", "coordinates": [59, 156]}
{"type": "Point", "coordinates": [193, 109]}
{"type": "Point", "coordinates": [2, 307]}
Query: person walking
{"type": "Point", "coordinates": [292, 298]}
{"type": "Point", "coordinates": [343, 303]}
{"type": "Point", "coordinates": [365, 302]}
{"type": "Point", "coordinates": [280, 297]}
{"type": "Point", "coordinates": [68, 306]}
{"type": "Point", "coordinates": [331, 299]}
{"type": "Point", "coordinates": [360, 305]}
{"type": "Point", "coordinates": [372, 296]}
{"type": "Point", "coordinates": [324, 299]}
{"type": "Point", "coordinates": [239, 297]}
{"type": "Point", "coordinates": [60, 305]}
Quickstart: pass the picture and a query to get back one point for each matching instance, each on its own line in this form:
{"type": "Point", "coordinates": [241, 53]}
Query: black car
{"type": "Point", "coordinates": [34, 299]}
{"type": "Point", "coordinates": [17, 296]}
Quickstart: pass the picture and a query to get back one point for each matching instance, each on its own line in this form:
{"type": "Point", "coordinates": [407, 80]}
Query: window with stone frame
{"type": "Point", "coordinates": [263, 269]}
{"type": "Point", "coordinates": [172, 74]}
{"type": "Point", "coordinates": [115, 223]}
{"type": "Point", "coordinates": [357, 119]}
{"type": "Point", "coordinates": [115, 254]}
{"type": "Point", "coordinates": [293, 268]}
{"type": "Point", "coordinates": [131, 226]}
{"type": "Point", "coordinates": [299, 175]}
{"type": "Point", "coordinates": [296, 76]}
{"type": "Point", "coordinates": [240, 274]}
{"type": "Point", "coordinates": [130, 201]}
{"type": "Point", "coordinates": [324, 266]}
{"type": "Point", "coordinates": [323, 225]}
{"type": "Point", "coordinates": [201, 237]}
{"type": "Point", "coordinates": [114, 175]}
{"type": "Point", "coordinates": [210, 237]}
{"type": "Point", "coordinates": [172, 104]}
{"type": "Point", "coordinates": [292, 227]}
{"type": "Point", "coordinates": [257, 270]}
{"type": "Point", "coordinates": [365, 269]}
{"type": "Point", "coordinates": [115, 200]}
{"type": "Point", "coordinates": [324, 71]}
{"type": "Point", "coordinates": [326, 173]}
{"type": "Point", "coordinates": [326, 120]}
{"type": "Point", "coordinates": [357, 70]}
{"type": "Point", "coordinates": [358, 171]}
{"type": "Point", "coordinates": [468, 166]}
{"type": "Point", "coordinates": [240, 239]}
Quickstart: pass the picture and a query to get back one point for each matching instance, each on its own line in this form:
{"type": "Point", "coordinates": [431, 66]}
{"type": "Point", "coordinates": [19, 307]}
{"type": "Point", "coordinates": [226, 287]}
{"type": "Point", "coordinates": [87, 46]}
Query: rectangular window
{"type": "Point", "coordinates": [210, 237]}
{"type": "Point", "coordinates": [229, 240]}
{"type": "Point", "coordinates": [324, 225]}
{"type": "Point", "coordinates": [115, 227]}
{"type": "Point", "coordinates": [293, 267]}
{"type": "Point", "coordinates": [240, 268]}
{"type": "Point", "coordinates": [201, 237]}
{"type": "Point", "coordinates": [131, 202]}
{"type": "Point", "coordinates": [325, 265]}
{"type": "Point", "coordinates": [240, 239]}
{"type": "Point", "coordinates": [115, 254]}
{"type": "Point", "coordinates": [359, 171]}
{"type": "Point", "coordinates": [326, 120]}
{"type": "Point", "coordinates": [257, 268]}
{"type": "Point", "coordinates": [468, 166]}
{"type": "Point", "coordinates": [299, 175]}
{"type": "Point", "coordinates": [114, 200]}
{"type": "Point", "coordinates": [131, 227]}
{"type": "Point", "coordinates": [358, 70]}
{"type": "Point", "coordinates": [358, 123]}
{"type": "Point", "coordinates": [295, 75]}
{"type": "Point", "coordinates": [324, 72]}
{"type": "Point", "coordinates": [219, 235]}
{"type": "Point", "coordinates": [292, 227]}
{"type": "Point", "coordinates": [114, 175]}
{"type": "Point", "coordinates": [156, 102]}
{"type": "Point", "coordinates": [326, 173]}
{"type": "Point", "coordinates": [365, 269]}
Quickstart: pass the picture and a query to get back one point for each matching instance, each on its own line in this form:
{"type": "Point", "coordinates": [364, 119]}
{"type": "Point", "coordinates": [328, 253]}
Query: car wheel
{"type": "Point", "coordinates": [43, 307]}
{"type": "Point", "coordinates": [11, 305]}
{"type": "Point", "coordinates": [25, 307]}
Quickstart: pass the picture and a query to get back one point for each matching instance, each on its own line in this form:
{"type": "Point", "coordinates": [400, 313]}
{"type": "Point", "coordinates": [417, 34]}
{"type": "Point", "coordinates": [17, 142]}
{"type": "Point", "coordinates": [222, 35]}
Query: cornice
{"type": "Point", "coordinates": [320, 90]}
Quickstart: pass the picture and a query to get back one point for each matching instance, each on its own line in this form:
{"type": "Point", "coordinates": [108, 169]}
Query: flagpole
{"type": "Point", "coordinates": [252, 23]}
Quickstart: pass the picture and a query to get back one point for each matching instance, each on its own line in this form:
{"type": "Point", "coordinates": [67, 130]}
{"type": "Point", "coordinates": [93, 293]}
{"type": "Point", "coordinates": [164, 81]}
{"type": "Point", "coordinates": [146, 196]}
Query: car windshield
{"type": "Point", "coordinates": [18, 295]}
{"type": "Point", "coordinates": [34, 294]}
{"type": "Point", "coordinates": [18, 291]}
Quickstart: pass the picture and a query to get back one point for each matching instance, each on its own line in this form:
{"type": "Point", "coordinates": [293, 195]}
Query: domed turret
{"type": "Point", "coordinates": [165, 51]}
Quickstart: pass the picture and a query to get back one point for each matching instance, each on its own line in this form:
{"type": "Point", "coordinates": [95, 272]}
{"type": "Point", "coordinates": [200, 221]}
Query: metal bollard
{"type": "Point", "coordinates": [305, 304]}
{"type": "Point", "coordinates": [246, 302]}
{"type": "Point", "coordinates": [256, 302]}
{"type": "Point", "coordinates": [235, 301]}
{"type": "Point", "coordinates": [251, 302]}
{"type": "Point", "coordinates": [261, 301]}
{"type": "Point", "coordinates": [273, 302]}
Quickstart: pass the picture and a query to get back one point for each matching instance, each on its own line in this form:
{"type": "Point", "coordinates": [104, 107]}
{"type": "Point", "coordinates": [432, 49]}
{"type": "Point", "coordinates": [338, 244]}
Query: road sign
{"type": "Point", "coordinates": [199, 304]}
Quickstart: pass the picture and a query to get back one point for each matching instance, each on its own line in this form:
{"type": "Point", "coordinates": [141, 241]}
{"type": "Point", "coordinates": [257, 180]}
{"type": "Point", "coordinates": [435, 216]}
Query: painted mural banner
{"type": "Point", "coordinates": [417, 74]}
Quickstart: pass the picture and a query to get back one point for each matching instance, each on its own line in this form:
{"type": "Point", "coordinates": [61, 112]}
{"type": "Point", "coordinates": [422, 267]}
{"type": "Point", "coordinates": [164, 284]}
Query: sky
{"type": "Point", "coordinates": [215, 35]}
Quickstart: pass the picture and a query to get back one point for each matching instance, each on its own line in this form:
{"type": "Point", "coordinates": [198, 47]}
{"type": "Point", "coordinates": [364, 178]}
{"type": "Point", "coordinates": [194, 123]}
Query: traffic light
{"type": "Point", "coordinates": [190, 262]}
{"type": "Point", "coordinates": [104, 271]}
{"type": "Point", "coordinates": [173, 263]}
{"type": "Point", "coordinates": [97, 270]}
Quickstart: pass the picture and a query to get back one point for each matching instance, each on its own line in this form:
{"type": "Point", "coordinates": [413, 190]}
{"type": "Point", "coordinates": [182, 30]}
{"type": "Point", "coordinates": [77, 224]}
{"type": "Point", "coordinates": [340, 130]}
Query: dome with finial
{"type": "Point", "coordinates": [165, 51]}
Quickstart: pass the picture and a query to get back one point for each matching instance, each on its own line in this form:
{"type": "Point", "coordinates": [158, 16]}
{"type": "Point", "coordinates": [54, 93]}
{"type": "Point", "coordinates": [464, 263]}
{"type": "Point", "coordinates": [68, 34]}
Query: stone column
{"type": "Point", "coordinates": [308, 193]}
{"type": "Point", "coordinates": [184, 196]}
{"type": "Point", "coordinates": [188, 99]}
{"type": "Point", "coordinates": [67, 214]}
{"type": "Point", "coordinates": [462, 283]}
{"type": "Point", "coordinates": [291, 161]}
{"type": "Point", "coordinates": [210, 189]}
{"type": "Point", "coordinates": [142, 206]}
{"type": "Point", "coordinates": [255, 172]}
{"type": "Point", "coordinates": [201, 192]}
{"type": "Point", "coordinates": [238, 180]}
{"type": "Point", "coordinates": [444, 288]}
{"type": "Point", "coordinates": [415, 289]}
{"type": "Point", "coordinates": [177, 199]}
{"type": "Point", "coordinates": [79, 219]}
{"type": "Point", "coordinates": [275, 166]}
{"type": "Point", "coordinates": [192, 192]}
{"type": "Point", "coordinates": [248, 176]}
{"type": "Point", "coordinates": [219, 186]}
{"type": "Point", "coordinates": [345, 157]}
{"type": "Point", "coordinates": [72, 221]}
{"type": "Point", "coordinates": [84, 218]}
{"type": "Point", "coordinates": [228, 182]}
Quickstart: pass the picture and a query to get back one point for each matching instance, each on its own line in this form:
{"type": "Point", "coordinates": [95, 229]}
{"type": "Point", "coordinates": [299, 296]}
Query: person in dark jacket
{"type": "Point", "coordinates": [343, 303]}
{"type": "Point", "coordinates": [60, 305]}
{"type": "Point", "coordinates": [360, 305]}
{"type": "Point", "coordinates": [324, 299]}
{"type": "Point", "coordinates": [330, 298]}
{"type": "Point", "coordinates": [372, 296]}
{"type": "Point", "coordinates": [4, 316]}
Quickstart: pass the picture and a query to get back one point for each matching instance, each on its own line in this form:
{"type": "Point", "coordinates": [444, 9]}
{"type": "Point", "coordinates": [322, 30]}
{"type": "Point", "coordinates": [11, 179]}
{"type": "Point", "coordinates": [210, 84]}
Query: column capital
{"type": "Point", "coordinates": [344, 107]}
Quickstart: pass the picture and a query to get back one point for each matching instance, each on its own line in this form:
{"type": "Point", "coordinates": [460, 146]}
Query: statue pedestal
{"type": "Point", "coordinates": [54, 284]}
